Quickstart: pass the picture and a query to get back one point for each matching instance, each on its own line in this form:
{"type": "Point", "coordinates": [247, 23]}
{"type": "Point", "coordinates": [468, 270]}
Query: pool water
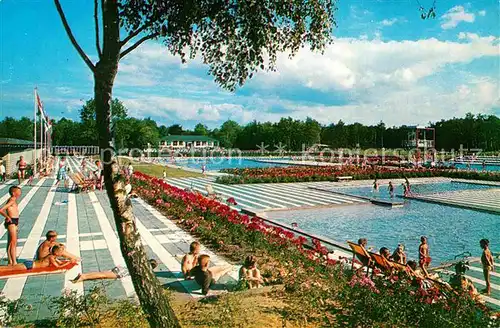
{"type": "Point", "coordinates": [219, 163]}
{"type": "Point", "coordinates": [422, 189]}
{"type": "Point", "coordinates": [478, 167]}
{"type": "Point", "coordinates": [450, 230]}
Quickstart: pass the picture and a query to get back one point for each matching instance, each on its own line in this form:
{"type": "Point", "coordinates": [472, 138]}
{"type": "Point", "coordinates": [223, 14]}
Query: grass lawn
{"type": "Point", "coordinates": [157, 170]}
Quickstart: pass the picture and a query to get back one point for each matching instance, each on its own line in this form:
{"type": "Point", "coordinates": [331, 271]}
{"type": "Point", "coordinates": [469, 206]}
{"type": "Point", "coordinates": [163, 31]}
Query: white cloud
{"type": "Point", "coordinates": [456, 15]}
{"type": "Point", "coordinates": [388, 22]}
{"type": "Point", "coordinates": [353, 64]}
{"type": "Point", "coordinates": [397, 81]}
{"type": "Point", "coordinates": [482, 13]}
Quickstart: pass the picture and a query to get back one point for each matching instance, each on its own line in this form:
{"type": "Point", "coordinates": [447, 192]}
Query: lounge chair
{"type": "Point", "coordinates": [382, 263]}
{"type": "Point", "coordinates": [211, 192]}
{"type": "Point", "coordinates": [362, 254]}
{"type": "Point", "coordinates": [80, 183]}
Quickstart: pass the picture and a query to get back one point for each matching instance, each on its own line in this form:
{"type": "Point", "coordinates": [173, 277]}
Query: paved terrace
{"type": "Point", "coordinates": [85, 224]}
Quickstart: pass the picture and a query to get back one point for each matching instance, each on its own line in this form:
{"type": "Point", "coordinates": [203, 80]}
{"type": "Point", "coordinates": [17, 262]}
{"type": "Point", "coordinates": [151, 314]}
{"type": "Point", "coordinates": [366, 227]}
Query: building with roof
{"type": "Point", "coordinates": [188, 142]}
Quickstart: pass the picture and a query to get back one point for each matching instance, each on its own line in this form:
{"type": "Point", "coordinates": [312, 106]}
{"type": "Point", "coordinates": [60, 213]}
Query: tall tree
{"type": "Point", "coordinates": [201, 130]}
{"type": "Point", "coordinates": [233, 38]}
{"type": "Point", "coordinates": [175, 130]}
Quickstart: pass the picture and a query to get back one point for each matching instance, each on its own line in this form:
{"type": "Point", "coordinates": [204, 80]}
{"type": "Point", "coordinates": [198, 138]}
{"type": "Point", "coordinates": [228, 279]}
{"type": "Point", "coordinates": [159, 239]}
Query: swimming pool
{"type": "Point", "coordinates": [450, 230]}
{"type": "Point", "coordinates": [478, 167]}
{"type": "Point", "coordinates": [423, 188]}
{"type": "Point", "coordinates": [219, 163]}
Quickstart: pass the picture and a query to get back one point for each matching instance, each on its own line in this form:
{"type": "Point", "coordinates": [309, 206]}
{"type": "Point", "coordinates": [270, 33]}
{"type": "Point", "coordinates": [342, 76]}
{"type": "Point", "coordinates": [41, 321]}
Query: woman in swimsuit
{"type": "Point", "coordinates": [48, 261]}
{"type": "Point", "coordinates": [21, 168]}
{"type": "Point", "coordinates": [487, 262]}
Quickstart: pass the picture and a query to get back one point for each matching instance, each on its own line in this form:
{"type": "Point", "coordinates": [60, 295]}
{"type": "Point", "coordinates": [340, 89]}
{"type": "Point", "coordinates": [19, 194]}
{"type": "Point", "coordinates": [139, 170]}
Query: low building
{"type": "Point", "coordinates": [188, 142]}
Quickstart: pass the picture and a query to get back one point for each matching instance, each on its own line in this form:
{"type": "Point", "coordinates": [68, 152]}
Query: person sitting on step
{"type": "Point", "coordinates": [250, 274]}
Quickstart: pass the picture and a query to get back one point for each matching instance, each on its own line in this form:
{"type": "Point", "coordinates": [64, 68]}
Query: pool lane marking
{"type": "Point", "coordinates": [112, 242]}
{"type": "Point", "coordinates": [24, 201]}
{"type": "Point", "coordinates": [14, 286]}
{"type": "Point", "coordinates": [73, 245]}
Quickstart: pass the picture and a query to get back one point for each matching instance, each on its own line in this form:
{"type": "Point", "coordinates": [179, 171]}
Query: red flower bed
{"type": "Point", "coordinates": [331, 173]}
{"type": "Point", "coordinates": [175, 200]}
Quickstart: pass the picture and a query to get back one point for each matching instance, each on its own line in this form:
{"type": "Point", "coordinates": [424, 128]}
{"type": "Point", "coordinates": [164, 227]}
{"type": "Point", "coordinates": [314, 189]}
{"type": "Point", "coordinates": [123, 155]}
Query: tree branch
{"type": "Point", "coordinates": [97, 39]}
{"type": "Point", "coordinates": [138, 43]}
{"type": "Point", "coordinates": [133, 34]}
{"type": "Point", "coordinates": [72, 38]}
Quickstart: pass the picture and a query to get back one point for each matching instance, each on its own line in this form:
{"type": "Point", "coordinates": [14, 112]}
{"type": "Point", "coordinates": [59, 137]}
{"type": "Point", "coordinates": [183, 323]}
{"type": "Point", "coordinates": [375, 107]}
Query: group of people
{"type": "Point", "coordinates": [424, 259]}
{"type": "Point", "coordinates": [196, 266]}
{"type": "Point", "coordinates": [406, 188]}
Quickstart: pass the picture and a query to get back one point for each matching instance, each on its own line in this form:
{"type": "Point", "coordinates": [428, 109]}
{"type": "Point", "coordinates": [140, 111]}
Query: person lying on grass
{"type": "Point", "coordinates": [50, 260]}
{"type": "Point", "coordinates": [117, 272]}
{"type": "Point", "coordinates": [250, 274]}
{"type": "Point", "coordinates": [51, 240]}
{"type": "Point", "coordinates": [206, 277]}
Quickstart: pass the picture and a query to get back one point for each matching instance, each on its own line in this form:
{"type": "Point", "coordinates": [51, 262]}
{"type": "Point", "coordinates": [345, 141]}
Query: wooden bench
{"type": "Point", "coordinates": [346, 178]}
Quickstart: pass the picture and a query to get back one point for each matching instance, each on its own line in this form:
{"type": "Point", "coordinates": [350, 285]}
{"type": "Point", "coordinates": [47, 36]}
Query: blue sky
{"type": "Point", "coordinates": [385, 64]}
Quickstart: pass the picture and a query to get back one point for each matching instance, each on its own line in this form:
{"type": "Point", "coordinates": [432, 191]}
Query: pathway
{"type": "Point", "coordinates": [269, 196]}
{"type": "Point", "coordinates": [484, 200]}
{"type": "Point", "coordinates": [85, 224]}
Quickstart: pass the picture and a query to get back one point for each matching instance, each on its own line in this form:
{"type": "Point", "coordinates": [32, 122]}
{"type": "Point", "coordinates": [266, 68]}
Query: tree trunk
{"type": "Point", "coordinates": [154, 301]}
{"type": "Point", "coordinates": [149, 290]}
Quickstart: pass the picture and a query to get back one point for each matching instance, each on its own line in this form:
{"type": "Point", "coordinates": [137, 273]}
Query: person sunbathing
{"type": "Point", "coordinates": [250, 274]}
{"type": "Point", "coordinates": [366, 261]}
{"type": "Point", "coordinates": [51, 240]}
{"type": "Point", "coordinates": [206, 277]}
{"type": "Point", "coordinates": [117, 272]}
{"type": "Point", "coordinates": [399, 255]}
{"type": "Point", "coordinates": [50, 260]}
{"type": "Point", "coordinates": [190, 259]}
{"type": "Point", "coordinates": [386, 253]}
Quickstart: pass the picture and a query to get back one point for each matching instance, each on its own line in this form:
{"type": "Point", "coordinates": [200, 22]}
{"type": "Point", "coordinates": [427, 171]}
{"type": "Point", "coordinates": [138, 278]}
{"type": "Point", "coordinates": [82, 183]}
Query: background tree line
{"type": "Point", "coordinates": [472, 131]}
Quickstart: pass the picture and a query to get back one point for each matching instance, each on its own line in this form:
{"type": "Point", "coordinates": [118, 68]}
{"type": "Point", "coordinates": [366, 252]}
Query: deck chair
{"type": "Point", "coordinates": [362, 254]}
{"type": "Point", "coordinates": [88, 183]}
{"type": "Point", "coordinates": [77, 182]}
{"type": "Point", "coordinates": [211, 192]}
{"type": "Point", "coordinates": [382, 263]}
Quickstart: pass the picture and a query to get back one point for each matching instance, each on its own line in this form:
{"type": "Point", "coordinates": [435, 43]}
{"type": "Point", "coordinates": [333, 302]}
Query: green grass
{"type": "Point", "coordinates": [157, 170]}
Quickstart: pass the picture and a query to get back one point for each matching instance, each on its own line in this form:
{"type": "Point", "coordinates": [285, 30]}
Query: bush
{"type": "Point", "coordinates": [307, 174]}
{"type": "Point", "coordinates": [321, 290]}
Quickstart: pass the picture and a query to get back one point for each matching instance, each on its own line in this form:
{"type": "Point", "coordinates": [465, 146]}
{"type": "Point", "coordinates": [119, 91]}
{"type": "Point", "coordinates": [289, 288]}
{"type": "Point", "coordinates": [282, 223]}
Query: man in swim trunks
{"type": "Point", "coordinates": [46, 246]}
{"type": "Point", "coordinates": [48, 261]}
{"type": "Point", "coordinates": [487, 263]}
{"type": "Point", "coordinates": [117, 272]}
{"type": "Point", "coordinates": [206, 277]}
{"type": "Point", "coordinates": [423, 255]}
{"type": "Point", "coordinates": [21, 168]}
{"type": "Point", "coordinates": [11, 213]}
{"type": "Point", "coordinates": [190, 260]}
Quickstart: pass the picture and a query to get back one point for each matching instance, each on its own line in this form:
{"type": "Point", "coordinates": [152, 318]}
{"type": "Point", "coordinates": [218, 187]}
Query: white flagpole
{"type": "Point", "coordinates": [34, 140]}
{"type": "Point", "coordinates": [41, 140]}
